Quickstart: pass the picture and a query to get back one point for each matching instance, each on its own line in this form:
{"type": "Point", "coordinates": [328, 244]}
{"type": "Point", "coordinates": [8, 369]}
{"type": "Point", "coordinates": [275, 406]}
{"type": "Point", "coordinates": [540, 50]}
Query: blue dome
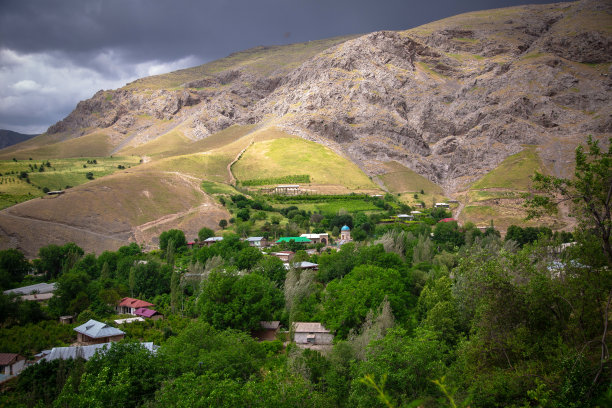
{"type": "Point", "coordinates": [345, 228]}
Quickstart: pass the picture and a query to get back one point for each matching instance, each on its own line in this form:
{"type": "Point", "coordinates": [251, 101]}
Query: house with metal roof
{"type": "Point", "coordinates": [148, 313]}
{"type": "Point", "coordinates": [257, 242]}
{"type": "Point", "coordinates": [94, 332]}
{"type": "Point", "coordinates": [211, 240]}
{"type": "Point", "coordinates": [311, 334]}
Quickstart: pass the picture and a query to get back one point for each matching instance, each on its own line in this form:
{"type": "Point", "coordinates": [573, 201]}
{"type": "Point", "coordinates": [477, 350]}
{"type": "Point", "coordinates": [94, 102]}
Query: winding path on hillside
{"type": "Point", "coordinates": [232, 179]}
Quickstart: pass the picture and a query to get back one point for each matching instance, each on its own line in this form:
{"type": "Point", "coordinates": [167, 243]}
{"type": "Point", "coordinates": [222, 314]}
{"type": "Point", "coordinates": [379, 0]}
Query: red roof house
{"type": "Point", "coordinates": [129, 305]}
{"type": "Point", "coordinates": [447, 220]}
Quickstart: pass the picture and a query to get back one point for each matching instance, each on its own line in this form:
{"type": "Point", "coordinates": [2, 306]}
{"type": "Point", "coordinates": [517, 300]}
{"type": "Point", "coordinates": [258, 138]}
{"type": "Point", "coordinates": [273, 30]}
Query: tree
{"type": "Point", "coordinates": [205, 233]}
{"type": "Point", "coordinates": [176, 235]}
{"type": "Point", "coordinates": [347, 301]}
{"type": "Point", "coordinates": [590, 192]}
{"type": "Point", "coordinates": [13, 265]}
{"type": "Point", "coordinates": [229, 300]}
{"type": "Point", "coordinates": [223, 224]}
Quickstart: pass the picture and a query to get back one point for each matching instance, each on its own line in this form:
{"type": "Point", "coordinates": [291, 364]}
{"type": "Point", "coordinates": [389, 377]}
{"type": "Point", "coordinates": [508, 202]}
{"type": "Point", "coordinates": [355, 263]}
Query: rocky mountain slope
{"type": "Point", "coordinates": [450, 99]}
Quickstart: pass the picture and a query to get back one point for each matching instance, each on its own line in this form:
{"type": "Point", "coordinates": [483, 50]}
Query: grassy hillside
{"type": "Point", "coordinates": [43, 147]}
{"type": "Point", "coordinates": [400, 179]}
{"type": "Point", "coordinates": [497, 195]}
{"type": "Point", "coordinates": [290, 156]}
{"type": "Point", "coordinates": [60, 173]}
{"type": "Point", "coordinates": [513, 173]}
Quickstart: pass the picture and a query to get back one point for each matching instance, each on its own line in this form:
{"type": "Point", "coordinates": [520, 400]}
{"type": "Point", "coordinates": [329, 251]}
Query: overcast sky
{"type": "Point", "coordinates": [54, 53]}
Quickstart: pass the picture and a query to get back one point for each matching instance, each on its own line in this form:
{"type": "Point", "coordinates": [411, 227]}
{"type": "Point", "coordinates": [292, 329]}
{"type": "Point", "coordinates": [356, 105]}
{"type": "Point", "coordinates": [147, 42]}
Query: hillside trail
{"type": "Point", "coordinates": [195, 183]}
{"type": "Point", "coordinates": [232, 179]}
{"type": "Point", "coordinates": [458, 210]}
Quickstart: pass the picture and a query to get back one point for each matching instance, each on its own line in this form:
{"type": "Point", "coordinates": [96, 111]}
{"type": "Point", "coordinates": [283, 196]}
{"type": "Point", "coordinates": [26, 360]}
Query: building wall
{"type": "Point", "coordinates": [320, 338]}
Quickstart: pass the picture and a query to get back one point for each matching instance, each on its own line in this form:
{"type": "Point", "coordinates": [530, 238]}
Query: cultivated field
{"type": "Point", "coordinates": [291, 156]}
{"type": "Point", "coordinates": [56, 174]}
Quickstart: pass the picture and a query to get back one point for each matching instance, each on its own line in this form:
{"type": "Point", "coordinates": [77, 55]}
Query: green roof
{"type": "Point", "coordinates": [296, 239]}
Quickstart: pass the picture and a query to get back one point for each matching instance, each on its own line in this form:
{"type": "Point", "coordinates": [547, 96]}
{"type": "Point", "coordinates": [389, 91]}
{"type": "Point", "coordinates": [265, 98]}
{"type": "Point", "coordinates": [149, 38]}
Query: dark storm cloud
{"type": "Point", "coordinates": [54, 53]}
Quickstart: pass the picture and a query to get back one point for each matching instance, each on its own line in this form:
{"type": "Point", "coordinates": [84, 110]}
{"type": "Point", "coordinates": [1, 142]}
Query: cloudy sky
{"type": "Point", "coordinates": [54, 53]}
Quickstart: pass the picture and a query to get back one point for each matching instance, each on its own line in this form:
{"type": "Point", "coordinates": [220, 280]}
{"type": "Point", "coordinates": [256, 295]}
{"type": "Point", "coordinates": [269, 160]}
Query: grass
{"type": "Point", "coordinates": [93, 145]}
{"type": "Point", "coordinates": [514, 173]}
{"type": "Point", "coordinates": [212, 187]}
{"type": "Point", "coordinates": [400, 179]}
{"type": "Point", "coordinates": [161, 145]}
{"type": "Point", "coordinates": [289, 156]}
{"type": "Point", "coordinates": [62, 173]}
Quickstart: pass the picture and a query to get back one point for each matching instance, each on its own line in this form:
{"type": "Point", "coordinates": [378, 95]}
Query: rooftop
{"type": "Point", "coordinates": [295, 239]}
{"type": "Point", "coordinates": [253, 239]}
{"type": "Point", "coordinates": [271, 325]}
{"type": "Point", "coordinates": [135, 303]}
{"type": "Point", "coordinates": [309, 327]}
{"type": "Point", "coordinates": [37, 288]}
{"type": "Point", "coordinates": [96, 329]}
{"type": "Point", "coordinates": [144, 312]}
{"type": "Point", "coordinates": [8, 358]}
{"type": "Point", "coordinates": [213, 239]}
{"type": "Point", "coordinates": [85, 352]}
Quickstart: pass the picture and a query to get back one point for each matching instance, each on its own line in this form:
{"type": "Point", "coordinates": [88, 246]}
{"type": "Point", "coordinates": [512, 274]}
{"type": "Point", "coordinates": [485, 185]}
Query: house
{"type": "Point", "coordinates": [299, 240]}
{"type": "Point", "coordinates": [129, 305]}
{"type": "Point", "coordinates": [257, 242]}
{"type": "Point", "coordinates": [284, 256]}
{"type": "Point", "coordinates": [84, 352]}
{"type": "Point", "coordinates": [442, 205]}
{"type": "Point", "coordinates": [302, 265]}
{"type": "Point", "coordinates": [317, 238]}
{"type": "Point", "coordinates": [267, 330]}
{"type": "Point", "coordinates": [148, 313]}
{"type": "Point", "coordinates": [190, 245]}
{"type": "Point", "coordinates": [405, 217]}
{"type": "Point", "coordinates": [11, 364]}
{"type": "Point", "coordinates": [311, 335]}
{"type": "Point", "coordinates": [95, 332]}
{"type": "Point", "coordinates": [212, 240]}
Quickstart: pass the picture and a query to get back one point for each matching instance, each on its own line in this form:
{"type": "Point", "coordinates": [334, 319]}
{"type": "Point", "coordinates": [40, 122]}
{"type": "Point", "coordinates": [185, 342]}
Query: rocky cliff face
{"type": "Point", "coordinates": [449, 100]}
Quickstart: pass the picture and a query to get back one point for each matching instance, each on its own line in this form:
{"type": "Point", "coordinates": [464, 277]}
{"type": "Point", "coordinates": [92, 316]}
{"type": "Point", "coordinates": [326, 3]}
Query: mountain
{"type": "Point", "coordinates": [9, 138]}
{"type": "Point", "coordinates": [450, 101]}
